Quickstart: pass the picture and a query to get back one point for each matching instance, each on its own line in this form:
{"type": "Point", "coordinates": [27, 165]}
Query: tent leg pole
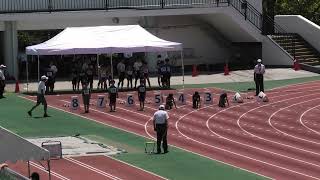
{"type": "Point", "coordinates": [49, 169]}
{"type": "Point", "coordinates": [38, 68]}
{"type": "Point", "coordinates": [98, 60]}
{"type": "Point", "coordinates": [111, 67]}
{"type": "Point", "coordinates": [29, 173]}
{"type": "Point", "coordinates": [27, 69]}
{"type": "Point", "coordinates": [182, 64]}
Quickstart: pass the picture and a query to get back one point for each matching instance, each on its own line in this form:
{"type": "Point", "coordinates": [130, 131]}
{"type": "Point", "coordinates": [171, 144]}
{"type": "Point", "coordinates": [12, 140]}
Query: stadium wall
{"type": "Point", "coordinates": [302, 26]}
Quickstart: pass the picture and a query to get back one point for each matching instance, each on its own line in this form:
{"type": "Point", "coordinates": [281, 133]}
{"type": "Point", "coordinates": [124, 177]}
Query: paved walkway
{"type": "Point", "coordinates": [235, 76]}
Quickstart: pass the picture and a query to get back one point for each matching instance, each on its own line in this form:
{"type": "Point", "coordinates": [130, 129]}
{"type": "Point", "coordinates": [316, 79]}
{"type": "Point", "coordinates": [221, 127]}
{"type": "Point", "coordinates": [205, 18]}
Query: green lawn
{"type": "Point", "coordinates": [177, 164]}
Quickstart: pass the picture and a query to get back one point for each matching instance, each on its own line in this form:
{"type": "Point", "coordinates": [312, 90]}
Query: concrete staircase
{"type": "Point", "coordinates": [299, 49]}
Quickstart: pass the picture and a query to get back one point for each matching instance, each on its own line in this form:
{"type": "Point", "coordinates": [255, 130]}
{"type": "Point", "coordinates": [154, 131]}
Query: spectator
{"type": "Point", "coordinates": [158, 69]}
{"type": "Point", "coordinates": [90, 74]}
{"type": "Point", "coordinates": [137, 71]}
{"type": "Point", "coordinates": [35, 176]}
{"type": "Point", "coordinates": [121, 67]}
{"type": "Point", "coordinates": [145, 71]}
{"type": "Point", "coordinates": [74, 75]}
{"type": "Point", "coordinates": [129, 70]}
{"type": "Point", "coordinates": [167, 74]}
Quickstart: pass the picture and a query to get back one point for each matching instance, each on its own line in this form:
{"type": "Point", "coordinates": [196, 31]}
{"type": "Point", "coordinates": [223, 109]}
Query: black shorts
{"type": "Point", "coordinates": [74, 80]}
{"type": "Point", "coordinates": [86, 99]}
{"type": "Point", "coordinates": [113, 100]}
{"type": "Point", "coordinates": [122, 76]}
{"type": "Point", "coordinates": [142, 98]}
{"type": "Point", "coordinates": [146, 75]}
{"type": "Point", "coordinates": [129, 77]}
{"type": "Point", "coordinates": [41, 99]}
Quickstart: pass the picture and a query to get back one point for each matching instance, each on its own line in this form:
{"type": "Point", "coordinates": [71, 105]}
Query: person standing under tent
{"type": "Point", "coordinates": [90, 74]}
{"type": "Point", "coordinates": [160, 125]}
{"type": "Point", "coordinates": [121, 68]}
{"type": "Point", "coordinates": [163, 71]}
{"type": "Point", "coordinates": [113, 95]}
{"type": "Point", "coordinates": [54, 70]}
{"type": "Point", "coordinates": [158, 69]}
{"type": "Point", "coordinates": [129, 70]}
{"type": "Point", "coordinates": [142, 94]}
{"type": "Point", "coordinates": [167, 75]}
{"type": "Point", "coordinates": [40, 96]}
{"type": "Point", "coordinates": [259, 71]}
{"type": "Point", "coordinates": [74, 75]}
{"type": "Point", "coordinates": [145, 71]}
{"type": "Point", "coordinates": [103, 76]}
{"type": "Point", "coordinates": [109, 74]}
{"type": "Point", "coordinates": [2, 80]}
{"type": "Point", "coordinates": [86, 95]}
{"type": "Point", "coordinates": [137, 71]}
{"type": "Point", "coordinates": [49, 82]}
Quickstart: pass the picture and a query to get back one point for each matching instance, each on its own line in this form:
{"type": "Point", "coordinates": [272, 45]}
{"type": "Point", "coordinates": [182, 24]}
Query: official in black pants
{"type": "Point", "coordinates": [259, 71]}
{"type": "Point", "coordinates": [160, 124]}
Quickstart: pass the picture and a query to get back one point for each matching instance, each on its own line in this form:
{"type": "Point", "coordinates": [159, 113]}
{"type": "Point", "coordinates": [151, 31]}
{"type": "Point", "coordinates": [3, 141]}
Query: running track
{"type": "Point", "coordinates": [279, 139]}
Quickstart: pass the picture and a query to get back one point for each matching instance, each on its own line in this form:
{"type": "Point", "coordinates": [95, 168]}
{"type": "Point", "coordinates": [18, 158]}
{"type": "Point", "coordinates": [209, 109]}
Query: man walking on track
{"type": "Point", "coordinates": [160, 125]}
{"type": "Point", "coordinates": [40, 97]}
{"type": "Point", "coordinates": [259, 70]}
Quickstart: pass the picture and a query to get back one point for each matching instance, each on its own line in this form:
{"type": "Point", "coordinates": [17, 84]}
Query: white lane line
{"type": "Point", "coordinates": [241, 155]}
{"type": "Point", "coordinates": [251, 146]}
{"type": "Point", "coordinates": [240, 126]}
{"type": "Point", "coordinates": [270, 121]}
{"type": "Point", "coordinates": [105, 174]}
{"type": "Point", "coordinates": [304, 124]}
{"type": "Point", "coordinates": [44, 170]}
{"type": "Point", "coordinates": [136, 167]}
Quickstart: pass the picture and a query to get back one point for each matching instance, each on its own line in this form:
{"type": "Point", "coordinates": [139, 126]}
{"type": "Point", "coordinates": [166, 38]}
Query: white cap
{"type": "Point", "coordinates": [259, 60]}
{"type": "Point", "coordinates": [2, 66]}
{"type": "Point", "coordinates": [44, 77]}
{"type": "Point", "coordinates": [161, 107]}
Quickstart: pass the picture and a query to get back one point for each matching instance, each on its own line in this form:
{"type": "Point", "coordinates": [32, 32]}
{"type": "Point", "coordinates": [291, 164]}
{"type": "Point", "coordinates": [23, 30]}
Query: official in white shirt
{"type": "Point", "coordinates": [121, 67]}
{"type": "Point", "coordinates": [40, 96]}
{"type": "Point", "coordinates": [259, 71]}
{"type": "Point", "coordinates": [2, 80]}
{"type": "Point", "coordinates": [160, 124]}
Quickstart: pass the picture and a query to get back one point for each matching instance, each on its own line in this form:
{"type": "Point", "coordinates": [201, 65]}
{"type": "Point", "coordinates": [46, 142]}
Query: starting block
{"type": "Point", "coordinates": [151, 144]}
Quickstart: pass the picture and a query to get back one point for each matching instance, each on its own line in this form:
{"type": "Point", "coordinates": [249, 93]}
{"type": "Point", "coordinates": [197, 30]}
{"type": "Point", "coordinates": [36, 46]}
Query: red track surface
{"type": "Point", "coordinates": [279, 139]}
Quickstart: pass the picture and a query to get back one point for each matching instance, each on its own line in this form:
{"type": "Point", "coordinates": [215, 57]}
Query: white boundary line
{"type": "Point", "coordinates": [239, 119]}
{"type": "Point", "coordinates": [274, 114]}
{"type": "Point", "coordinates": [44, 170]}
{"type": "Point", "coordinates": [304, 123]}
{"type": "Point", "coordinates": [98, 171]}
{"type": "Point", "coordinates": [241, 155]}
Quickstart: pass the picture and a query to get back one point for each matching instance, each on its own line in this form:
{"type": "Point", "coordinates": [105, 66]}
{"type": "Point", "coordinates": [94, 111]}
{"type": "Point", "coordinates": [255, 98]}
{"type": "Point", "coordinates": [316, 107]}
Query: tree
{"type": "Point", "coordinates": [310, 9]}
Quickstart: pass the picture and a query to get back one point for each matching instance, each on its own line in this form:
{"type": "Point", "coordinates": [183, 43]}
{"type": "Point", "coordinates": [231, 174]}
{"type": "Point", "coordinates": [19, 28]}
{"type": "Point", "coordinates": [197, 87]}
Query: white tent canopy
{"type": "Point", "coordinates": [14, 148]}
{"type": "Point", "coordinates": [103, 40]}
